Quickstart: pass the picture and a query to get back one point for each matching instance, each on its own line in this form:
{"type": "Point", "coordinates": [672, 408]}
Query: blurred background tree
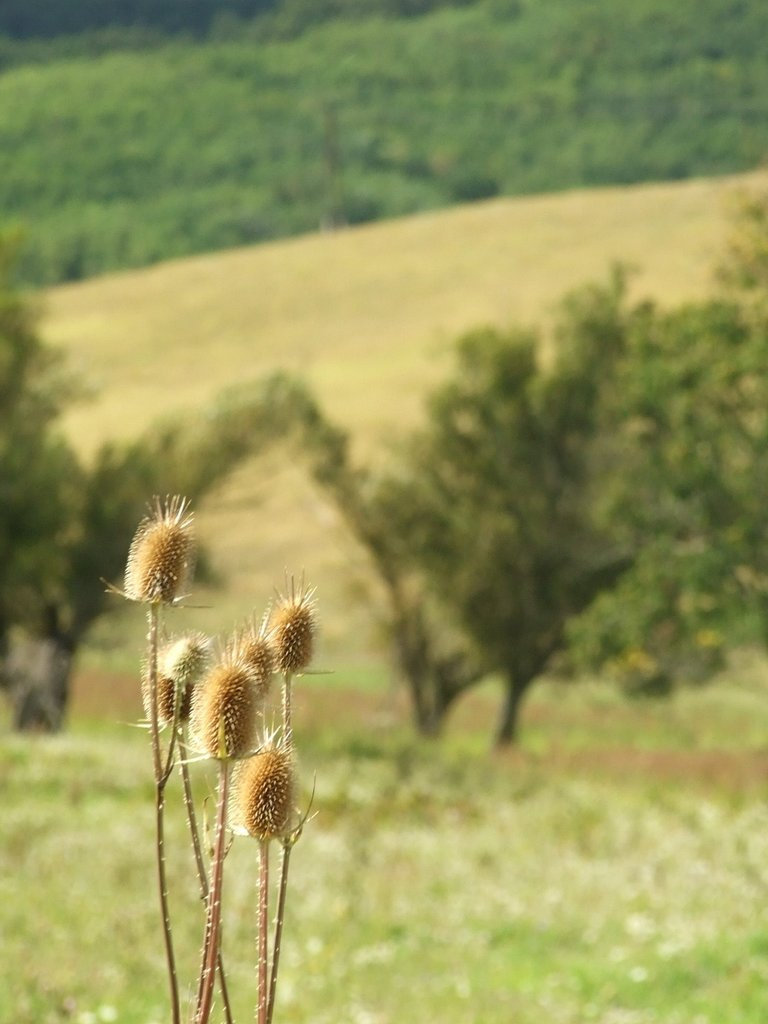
{"type": "Point", "coordinates": [65, 525]}
{"type": "Point", "coordinates": [498, 502]}
{"type": "Point", "coordinates": [607, 505]}
{"type": "Point", "coordinates": [484, 528]}
{"type": "Point", "coordinates": [691, 403]}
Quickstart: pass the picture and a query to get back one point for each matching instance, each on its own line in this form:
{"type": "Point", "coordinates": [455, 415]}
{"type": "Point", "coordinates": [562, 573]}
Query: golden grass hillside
{"type": "Point", "coordinates": [367, 316]}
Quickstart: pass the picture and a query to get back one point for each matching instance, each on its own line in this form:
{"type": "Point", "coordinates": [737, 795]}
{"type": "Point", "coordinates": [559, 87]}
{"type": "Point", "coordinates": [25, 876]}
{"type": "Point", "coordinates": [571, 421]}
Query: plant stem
{"type": "Point", "coordinates": [280, 917]}
{"type": "Point", "coordinates": [213, 921]}
{"type": "Point", "coordinates": [263, 930]}
{"type": "Point", "coordinates": [286, 856]}
{"type": "Point", "coordinates": [202, 873]}
{"type": "Point", "coordinates": [189, 805]}
{"type": "Point", "coordinates": [287, 708]}
{"type": "Point", "coordinates": [161, 778]}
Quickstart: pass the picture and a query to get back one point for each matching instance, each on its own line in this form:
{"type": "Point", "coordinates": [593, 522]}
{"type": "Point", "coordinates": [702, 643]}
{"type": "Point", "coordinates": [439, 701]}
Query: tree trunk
{"type": "Point", "coordinates": [507, 731]}
{"type": "Point", "coordinates": [428, 721]}
{"type": "Point", "coordinates": [37, 673]}
{"type": "Point", "coordinates": [435, 680]}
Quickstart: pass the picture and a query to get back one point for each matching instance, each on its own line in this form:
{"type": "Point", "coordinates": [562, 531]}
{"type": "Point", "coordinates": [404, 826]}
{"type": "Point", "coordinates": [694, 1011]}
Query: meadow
{"type": "Point", "coordinates": [612, 870]}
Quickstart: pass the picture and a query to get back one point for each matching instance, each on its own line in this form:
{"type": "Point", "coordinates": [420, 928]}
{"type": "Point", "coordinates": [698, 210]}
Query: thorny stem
{"type": "Point", "coordinates": [202, 873]}
{"type": "Point", "coordinates": [263, 930]}
{"type": "Point", "coordinates": [286, 856]}
{"type": "Point", "coordinates": [213, 922]}
{"type": "Point", "coordinates": [189, 805]}
{"type": "Point", "coordinates": [287, 708]}
{"type": "Point", "coordinates": [161, 778]}
{"type": "Point", "coordinates": [169, 755]}
{"type": "Point", "coordinates": [279, 919]}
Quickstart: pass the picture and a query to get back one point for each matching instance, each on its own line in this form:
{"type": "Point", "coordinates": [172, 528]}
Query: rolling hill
{"type": "Point", "coordinates": [367, 316]}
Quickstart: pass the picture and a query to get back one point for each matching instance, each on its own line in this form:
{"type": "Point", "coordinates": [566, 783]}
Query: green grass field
{"type": "Point", "coordinates": [613, 870]}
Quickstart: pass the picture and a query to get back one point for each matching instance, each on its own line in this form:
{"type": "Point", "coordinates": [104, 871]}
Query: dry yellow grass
{"type": "Point", "coordinates": [366, 315]}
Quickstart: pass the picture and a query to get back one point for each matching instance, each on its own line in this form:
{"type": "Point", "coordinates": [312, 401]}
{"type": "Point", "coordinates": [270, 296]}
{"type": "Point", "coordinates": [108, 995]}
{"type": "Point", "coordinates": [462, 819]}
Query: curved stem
{"type": "Point", "coordinates": [202, 873]}
{"type": "Point", "coordinates": [213, 922]}
{"type": "Point", "coordinates": [287, 708]}
{"type": "Point", "coordinates": [161, 777]}
{"type": "Point", "coordinates": [280, 917]}
{"type": "Point", "coordinates": [286, 856]}
{"type": "Point", "coordinates": [189, 805]}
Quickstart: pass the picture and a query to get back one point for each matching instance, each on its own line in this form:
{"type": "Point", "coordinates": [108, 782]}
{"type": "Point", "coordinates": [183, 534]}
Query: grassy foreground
{"type": "Point", "coordinates": [613, 871]}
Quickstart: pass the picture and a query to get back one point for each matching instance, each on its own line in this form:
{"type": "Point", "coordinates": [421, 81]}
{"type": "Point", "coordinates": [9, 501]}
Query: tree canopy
{"type": "Point", "coordinates": [692, 405]}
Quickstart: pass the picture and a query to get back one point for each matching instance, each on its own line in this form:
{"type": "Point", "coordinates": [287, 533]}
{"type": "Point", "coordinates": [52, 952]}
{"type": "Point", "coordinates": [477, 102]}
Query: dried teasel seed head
{"type": "Point", "coordinates": [292, 630]}
{"type": "Point", "coordinates": [166, 699]}
{"type": "Point", "coordinates": [225, 708]}
{"type": "Point", "coordinates": [186, 658]}
{"type": "Point", "coordinates": [162, 554]}
{"type": "Point", "coordinates": [181, 664]}
{"type": "Point", "coordinates": [264, 790]}
{"type": "Point", "coordinates": [253, 648]}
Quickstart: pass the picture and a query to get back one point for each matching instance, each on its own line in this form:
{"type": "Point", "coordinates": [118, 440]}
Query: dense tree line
{"type": "Point", "coordinates": [115, 155]}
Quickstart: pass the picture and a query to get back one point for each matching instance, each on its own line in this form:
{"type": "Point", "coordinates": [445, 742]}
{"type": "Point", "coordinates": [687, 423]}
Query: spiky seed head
{"type": "Point", "coordinates": [254, 649]}
{"type": "Point", "coordinates": [292, 630]}
{"type": "Point", "coordinates": [224, 710]}
{"type": "Point", "coordinates": [162, 554]}
{"type": "Point", "coordinates": [265, 793]}
{"type": "Point", "coordinates": [166, 699]}
{"type": "Point", "coordinates": [181, 664]}
{"type": "Point", "coordinates": [186, 658]}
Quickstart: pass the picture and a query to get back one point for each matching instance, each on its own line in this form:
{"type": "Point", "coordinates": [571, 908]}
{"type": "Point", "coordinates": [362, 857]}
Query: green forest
{"type": "Point", "coordinates": [131, 133]}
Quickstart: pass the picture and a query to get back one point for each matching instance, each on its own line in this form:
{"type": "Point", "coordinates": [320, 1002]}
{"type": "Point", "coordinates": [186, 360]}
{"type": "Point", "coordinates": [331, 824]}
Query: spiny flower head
{"type": "Point", "coordinates": [252, 646]}
{"type": "Point", "coordinates": [186, 658]}
{"type": "Point", "coordinates": [292, 629]}
{"type": "Point", "coordinates": [180, 666]}
{"type": "Point", "coordinates": [264, 793]}
{"type": "Point", "coordinates": [161, 558]}
{"type": "Point", "coordinates": [225, 708]}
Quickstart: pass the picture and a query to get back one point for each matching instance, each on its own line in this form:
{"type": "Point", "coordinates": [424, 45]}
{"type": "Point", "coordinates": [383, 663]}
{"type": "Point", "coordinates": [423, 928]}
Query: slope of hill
{"type": "Point", "coordinates": [366, 315]}
{"type": "Point", "coordinates": [135, 156]}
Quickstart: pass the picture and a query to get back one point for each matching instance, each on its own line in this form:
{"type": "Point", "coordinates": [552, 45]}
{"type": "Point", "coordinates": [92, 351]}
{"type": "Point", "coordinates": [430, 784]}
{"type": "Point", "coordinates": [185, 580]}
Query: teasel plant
{"type": "Point", "coordinates": [292, 634]}
{"type": "Point", "coordinates": [211, 700]}
{"type": "Point", "coordinates": [182, 664]}
{"type": "Point", "coordinates": [159, 569]}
